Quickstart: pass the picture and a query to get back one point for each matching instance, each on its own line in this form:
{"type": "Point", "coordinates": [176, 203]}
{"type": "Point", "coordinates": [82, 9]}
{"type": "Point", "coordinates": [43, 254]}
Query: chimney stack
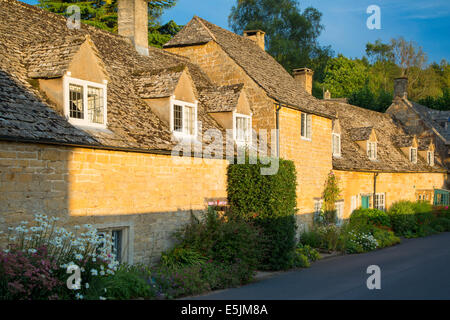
{"type": "Point", "coordinates": [258, 36]}
{"type": "Point", "coordinates": [133, 23]}
{"type": "Point", "coordinates": [401, 87]}
{"type": "Point", "coordinates": [304, 77]}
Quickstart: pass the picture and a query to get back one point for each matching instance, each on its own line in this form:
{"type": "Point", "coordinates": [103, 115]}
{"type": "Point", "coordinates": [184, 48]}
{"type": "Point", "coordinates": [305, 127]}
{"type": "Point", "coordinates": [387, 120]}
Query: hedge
{"type": "Point", "coordinates": [270, 202]}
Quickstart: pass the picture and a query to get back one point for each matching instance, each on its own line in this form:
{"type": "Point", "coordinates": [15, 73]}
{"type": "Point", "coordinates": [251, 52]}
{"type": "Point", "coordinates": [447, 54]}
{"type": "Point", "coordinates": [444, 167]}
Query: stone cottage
{"type": "Point", "coordinates": [377, 160]}
{"type": "Point", "coordinates": [422, 121]}
{"type": "Point", "coordinates": [89, 121]}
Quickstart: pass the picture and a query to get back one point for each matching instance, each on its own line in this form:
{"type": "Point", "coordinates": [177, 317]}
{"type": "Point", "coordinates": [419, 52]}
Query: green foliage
{"type": "Point", "coordinates": [103, 15]}
{"type": "Point", "coordinates": [411, 219]}
{"type": "Point", "coordinates": [373, 217]}
{"type": "Point", "coordinates": [130, 282]}
{"type": "Point", "coordinates": [311, 253]}
{"type": "Point", "coordinates": [278, 242]}
{"type": "Point", "coordinates": [441, 224]}
{"type": "Point", "coordinates": [291, 34]}
{"type": "Point", "coordinates": [270, 202]}
{"type": "Point", "coordinates": [344, 76]}
{"type": "Point", "coordinates": [301, 260]}
{"type": "Point", "coordinates": [331, 194]}
{"type": "Point", "coordinates": [385, 238]}
{"type": "Point", "coordinates": [181, 256]}
{"type": "Point", "coordinates": [440, 102]}
{"type": "Point", "coordinates": [221, 240]}
{"type": "Point", "coordinates": [366, 98]}
{"type": "Point", "coordinates": [197, 279]}
{"type": "Point", "coordinates": [324, 237]}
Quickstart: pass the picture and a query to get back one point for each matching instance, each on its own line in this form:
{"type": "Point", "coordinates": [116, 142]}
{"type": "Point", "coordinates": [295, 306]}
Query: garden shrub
{"type": "Point", "coordinates": [359, 242]}
{"type": "Point", "coordinates": [181, 256]}
{"type": "Point", "coordinates": [311, 238]}
{"type": "Point", "coordinates": [403, 219]}
{"type": "Point", "coordinates": [412, 219]}
{"type": "Point", "coordinates": [372, 217]}
{"type": "Point", "coordinates": [214, 237]}
{"type": "Point", "coordinates": [196, 279]}
{"type": "Point", "coordinates": [329, 235]}
{"type": "Point", "coordinates": [385, 238]}
{"type": "Point", "coordinates": [441, 224]}
{"type": "Point", "coordinates": [130, 282]}
{"type": "Point", "coordinates": [301, 260]}
{"type": "Point", "coordinates": [310, 253]}
{"type": "Point", "coordinates": [270, 202]}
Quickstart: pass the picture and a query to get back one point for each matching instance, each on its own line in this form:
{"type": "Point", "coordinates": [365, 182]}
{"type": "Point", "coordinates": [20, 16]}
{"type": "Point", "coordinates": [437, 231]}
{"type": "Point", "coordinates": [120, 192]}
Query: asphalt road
{"type": "Point", "coordinates": [415, 269]}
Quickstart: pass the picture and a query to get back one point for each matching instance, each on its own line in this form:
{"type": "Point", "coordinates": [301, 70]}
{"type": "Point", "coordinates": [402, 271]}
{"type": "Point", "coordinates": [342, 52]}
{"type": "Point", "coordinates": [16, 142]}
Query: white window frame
{"type": "Point", "coordinates": [67, 81]}
{"type": "Point", "coordinates": [306, 122]}
{"type": "Point", "coordinates": [332, 144]}
{"type": "Point", "coordinates": [410, 154]}
{"type": "Point", "coordinates": [318, 205]}
{"type": "Point", "coordinates": [340, 207]}
{"type": "Point", "coordinates": [430, 158]}
{"type": "Point", "coordinates": [369, 143]}
{"type": "Point", "coordinates": [183, 135]}
{"type": "Point", "coordinates": [248, 140]}
{"type": "Point", "coordinates": [354, 203]}
{"type": "Point", "coordinates": [126, 241]}
{"type": "Point", "coordinates": [380, 201]}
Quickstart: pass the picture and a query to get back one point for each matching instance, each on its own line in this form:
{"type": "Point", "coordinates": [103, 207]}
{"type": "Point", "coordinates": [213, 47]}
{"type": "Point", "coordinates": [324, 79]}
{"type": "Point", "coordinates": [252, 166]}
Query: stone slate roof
{"type": "Point", "coordinates": [36, 43]}
{"type": "Point", "coordinates": [403, 141]}
{"type": "Point", "coordinates": [389, 157]}
{"type": "Point", "coordinates": [221, 99]}
{"type": "Point", "coordinates": [257, 63]}
{"type": "Point", "coordinates": [430, 117]}
{"type": "Point", "coordinates": [51, 59]}
{"type": "Point", "coordinates": [360, 134]}
{"type": "Point", "coordinates": [158, 84]}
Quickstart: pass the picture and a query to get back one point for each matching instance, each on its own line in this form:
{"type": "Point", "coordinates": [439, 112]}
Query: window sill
{"type": "Point", "coordinates": [87, 125]}
{"type": "Point", "coordinates": [306, 139]}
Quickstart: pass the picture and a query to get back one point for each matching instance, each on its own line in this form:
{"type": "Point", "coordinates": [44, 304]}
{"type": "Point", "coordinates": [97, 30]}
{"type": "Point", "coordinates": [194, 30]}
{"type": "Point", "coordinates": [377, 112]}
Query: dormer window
{"type": "Point", "coordinates": [430, 158]}
{"type": "Point", "coordinates": [413, 155]}
{"type": "Point", "coordinates": [184, 119]}
{"type": "Point", "coordinates": [372, 150]}
{"type": "Point", "coordinates": [242, 129]}
{"type": "Point", "coordinates": [85, 102]}
{"type": "Point", "coordinates": [336, 144]}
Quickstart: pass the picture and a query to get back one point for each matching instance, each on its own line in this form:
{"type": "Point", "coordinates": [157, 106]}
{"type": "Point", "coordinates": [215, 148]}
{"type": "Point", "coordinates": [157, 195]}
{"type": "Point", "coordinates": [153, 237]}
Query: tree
{"type": "Point", "coordinates": [291, 35]}
{"type": "Point", "coordinates": [103, 14]}
{"type": "Point", "coordinates": [344, 76]}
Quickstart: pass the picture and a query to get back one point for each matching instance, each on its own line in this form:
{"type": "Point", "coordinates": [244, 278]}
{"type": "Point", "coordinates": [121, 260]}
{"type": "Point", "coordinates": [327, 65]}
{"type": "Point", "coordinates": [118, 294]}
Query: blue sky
{"type": "Point", "coordinates": [426, 22]}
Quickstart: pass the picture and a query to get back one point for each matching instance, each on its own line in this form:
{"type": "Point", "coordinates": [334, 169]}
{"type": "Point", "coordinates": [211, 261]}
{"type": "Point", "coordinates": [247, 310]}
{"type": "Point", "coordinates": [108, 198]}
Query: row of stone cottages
{"type": "Point", "coordinates": [88, 120]}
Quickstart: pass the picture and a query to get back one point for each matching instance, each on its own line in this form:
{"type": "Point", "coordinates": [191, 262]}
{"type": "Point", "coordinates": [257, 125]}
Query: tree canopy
{"type": "Point", "coordinates": [291, 34]}
{"type": "Point", "coordinates": [103, 14]}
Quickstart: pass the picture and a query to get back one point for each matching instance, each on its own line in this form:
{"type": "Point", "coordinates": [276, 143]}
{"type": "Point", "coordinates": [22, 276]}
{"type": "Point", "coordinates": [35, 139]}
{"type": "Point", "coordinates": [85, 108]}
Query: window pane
{"type": "Point", "coordinates": [76, 102]}
{"type": "Point", "coordinates": [95, 105]}
{"type": "Point", "coordinates": [178, 118]}
{"type": "Point", "coordinates": [189, 120]}
{"type": "Point", "coordinates": [242, 129]}
{"type": "Point", "coordinates": [303, 125]}
{"type": "Point", "coordinates": [308, 126]}
{"type": "Point", "coordinates": [117, 244]}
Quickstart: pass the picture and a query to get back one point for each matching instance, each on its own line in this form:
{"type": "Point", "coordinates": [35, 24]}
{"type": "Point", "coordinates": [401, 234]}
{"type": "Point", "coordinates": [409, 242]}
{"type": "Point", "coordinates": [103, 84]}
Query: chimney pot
{"type": "Point", "coordinates": [257, 36]}
{"type": "Point", "coordinates": [304, 77]}
{"type": "Point", "coordinates": [133, 23]}
{"type": "Point", "coordinates": [401, 87]}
